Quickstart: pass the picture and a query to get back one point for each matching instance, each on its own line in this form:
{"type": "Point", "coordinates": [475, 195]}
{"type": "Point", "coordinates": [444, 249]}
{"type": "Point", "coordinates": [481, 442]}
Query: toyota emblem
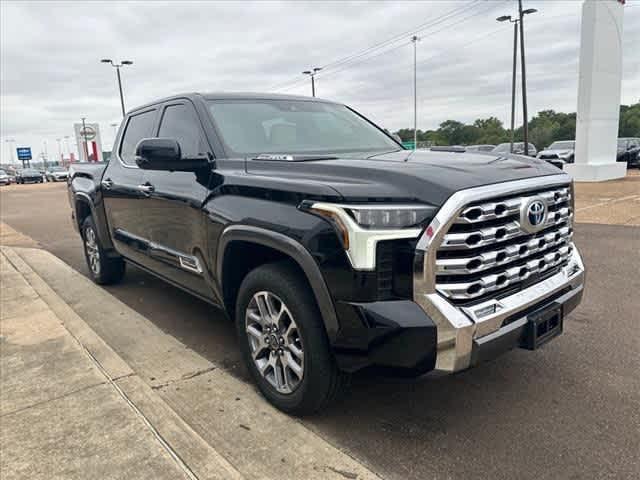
{"type": "Point", "coordinates": [533, 215]}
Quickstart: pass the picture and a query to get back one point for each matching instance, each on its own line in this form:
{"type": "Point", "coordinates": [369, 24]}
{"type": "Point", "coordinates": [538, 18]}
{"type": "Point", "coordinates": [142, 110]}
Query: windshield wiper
{"type": "Point", "coordinates": [384, 153]}
{"type": "Point", "coordinates": [293, 158]}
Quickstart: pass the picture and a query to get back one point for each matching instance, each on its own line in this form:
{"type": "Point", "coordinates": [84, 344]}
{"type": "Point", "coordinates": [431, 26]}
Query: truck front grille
{"type": "Point", "coordinates": [487, 254]}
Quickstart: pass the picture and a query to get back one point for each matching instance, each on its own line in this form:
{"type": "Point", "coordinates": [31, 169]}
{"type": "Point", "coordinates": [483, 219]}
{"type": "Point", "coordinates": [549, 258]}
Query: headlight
{"type": "Point", "coordinates": [389, 216]}
{"type": "Point", "coordinates": [361, 227]}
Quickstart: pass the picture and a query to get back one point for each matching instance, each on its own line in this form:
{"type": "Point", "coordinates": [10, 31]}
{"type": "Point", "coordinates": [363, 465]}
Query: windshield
{"type": "Point", "coordinates": [28, 171]}
{"type": "Point", "coordinates": [2, 172]}
{"type": "Point", "coordinates": [252, 127]}
{"type": "Point", "coordinates": [57, 169]}
{"type": "Point", "coordinates": [562, 145]}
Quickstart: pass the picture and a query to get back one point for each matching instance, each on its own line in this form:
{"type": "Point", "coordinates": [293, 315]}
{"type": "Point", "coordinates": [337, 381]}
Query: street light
{"type": "Point", "coordinates": [117, 67]}
{"type": "Point", "coordinates": [312, 74]}
{"type": "Point", "coordinates": [415, 40]}
{"type": "Point", "coordinates": [11, 141]}
{"type": "Point", "coordinates": [515, 22]}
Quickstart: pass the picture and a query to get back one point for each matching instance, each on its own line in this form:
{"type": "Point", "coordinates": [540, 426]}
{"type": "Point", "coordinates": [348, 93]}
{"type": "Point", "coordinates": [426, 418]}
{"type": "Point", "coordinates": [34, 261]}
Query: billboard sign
{"type": "Point", "coordinates": [89, 142]}
{"type": "Point", "coordinates": [24, 153]}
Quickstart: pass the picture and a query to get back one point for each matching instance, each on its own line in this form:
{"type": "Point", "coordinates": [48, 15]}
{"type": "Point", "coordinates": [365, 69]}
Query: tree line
{"type": "Point", "coordinates": [545, 128]}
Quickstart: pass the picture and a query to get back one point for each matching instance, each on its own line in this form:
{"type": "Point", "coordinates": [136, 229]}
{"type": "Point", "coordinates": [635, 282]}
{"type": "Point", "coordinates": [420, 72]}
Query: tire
{"type": "Point", "coordinates": [104, 270]}
{"type": "Point", "coordinates": [321, 382]}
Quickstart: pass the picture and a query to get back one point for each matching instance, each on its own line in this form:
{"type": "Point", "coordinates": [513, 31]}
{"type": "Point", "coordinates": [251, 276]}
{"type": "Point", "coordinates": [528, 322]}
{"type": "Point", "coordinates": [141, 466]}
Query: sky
{"type": "Point", "coordinates": [51, 75]}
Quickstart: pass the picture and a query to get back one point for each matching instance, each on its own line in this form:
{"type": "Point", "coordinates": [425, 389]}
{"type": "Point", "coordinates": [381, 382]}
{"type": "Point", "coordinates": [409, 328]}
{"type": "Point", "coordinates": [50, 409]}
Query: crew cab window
{"type": "Point", "coordinates": [181, 123]}
{"type": "Point", "coordinates": [139, 126]}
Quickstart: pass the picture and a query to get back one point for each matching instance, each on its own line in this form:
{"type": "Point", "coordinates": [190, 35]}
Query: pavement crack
{"type": "Point", "coordinates": [186, 376]}
{"type": "Point", "coordinates": [344, 473]}
{"type": "Point", "coordinates": [53, 399]}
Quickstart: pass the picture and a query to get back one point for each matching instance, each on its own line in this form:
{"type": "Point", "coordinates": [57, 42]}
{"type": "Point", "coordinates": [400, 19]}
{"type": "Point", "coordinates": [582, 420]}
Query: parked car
{"type": "Point", "coordinates": [628, 149]}
{"type": "Point", "coordinates": [57, 174]}
{"type": "Point", "coordinates": [518, 148]}
{"type": "Point", "coordinates": [331, 246]}
{"type": "Point", "coordinates": [29, 175]}
{"type": "Point", "coordinates": [5, 179]}
{"type": "Point", "coordinates": [480, 148]}
{"type": "Point", "coordinates": [559, 153]}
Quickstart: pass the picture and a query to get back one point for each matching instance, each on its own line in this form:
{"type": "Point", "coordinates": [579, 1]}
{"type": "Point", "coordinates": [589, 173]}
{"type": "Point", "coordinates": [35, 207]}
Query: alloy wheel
{"type": "Point", "coordinates": [275, 342]}
{"type": "Point", "coordinates": [93, 253]}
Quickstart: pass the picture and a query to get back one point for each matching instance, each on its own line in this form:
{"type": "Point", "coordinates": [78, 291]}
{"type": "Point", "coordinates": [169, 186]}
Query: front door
{"type": "Point", "coordinates": [172, 213]}
{"type": "Point", "coordinates": [121, 189]}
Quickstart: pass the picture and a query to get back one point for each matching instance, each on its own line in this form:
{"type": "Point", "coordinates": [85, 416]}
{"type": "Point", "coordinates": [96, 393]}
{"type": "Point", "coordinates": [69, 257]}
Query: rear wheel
{"type": "Point", "coordinates": [104, 270]}
{"type": "Point", "coordinates": [283, 340]}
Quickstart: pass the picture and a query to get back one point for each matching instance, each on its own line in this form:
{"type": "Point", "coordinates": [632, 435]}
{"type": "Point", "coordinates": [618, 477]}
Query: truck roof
{"type": "Point", "coordinates": [231, 96]}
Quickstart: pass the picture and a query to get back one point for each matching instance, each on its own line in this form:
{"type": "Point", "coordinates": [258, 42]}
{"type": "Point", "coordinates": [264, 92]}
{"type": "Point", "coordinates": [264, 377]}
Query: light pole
{"type": "Point", "coordinates": [45, 154]}
{"type": "Point", "coordinates": [11, 143]}
{"type": "Point", "coordinates": [59, 140]}
{"type": "Point", "coordinates": [516, 22]}
{"type": "Point", "coordinates": [415, 40]}
{"type": "Point", "coordinates": [117, 67]}
{"type": "Point", "coordinates": [312, 74]}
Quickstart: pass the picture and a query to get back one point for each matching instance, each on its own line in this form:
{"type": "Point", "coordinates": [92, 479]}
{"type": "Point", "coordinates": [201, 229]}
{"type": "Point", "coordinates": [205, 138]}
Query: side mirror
{"type": "Point", "coordinates": [166, 154]}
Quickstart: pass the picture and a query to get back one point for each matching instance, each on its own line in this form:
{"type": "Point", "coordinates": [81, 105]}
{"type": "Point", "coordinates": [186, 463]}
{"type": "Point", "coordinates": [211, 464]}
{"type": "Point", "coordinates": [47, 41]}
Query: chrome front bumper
{"type": "Point", "coordinates": [461, 329]}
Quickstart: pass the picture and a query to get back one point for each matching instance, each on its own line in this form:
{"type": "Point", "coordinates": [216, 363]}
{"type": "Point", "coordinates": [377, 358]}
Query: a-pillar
{"type": "Point", "coordinates": [599, 88]}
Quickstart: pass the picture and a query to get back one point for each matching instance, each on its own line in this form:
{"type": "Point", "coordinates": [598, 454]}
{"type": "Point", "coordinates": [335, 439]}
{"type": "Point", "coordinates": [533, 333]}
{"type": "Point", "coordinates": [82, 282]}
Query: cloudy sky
{"type": "Point", "coordinates": [51, 73]}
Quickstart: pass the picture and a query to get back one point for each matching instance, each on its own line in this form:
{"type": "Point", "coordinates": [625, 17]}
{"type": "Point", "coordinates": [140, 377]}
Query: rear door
{"type": "Point", "coordinates": [172, 215]}
{"type": "Point", "coordinates": [121, 190]}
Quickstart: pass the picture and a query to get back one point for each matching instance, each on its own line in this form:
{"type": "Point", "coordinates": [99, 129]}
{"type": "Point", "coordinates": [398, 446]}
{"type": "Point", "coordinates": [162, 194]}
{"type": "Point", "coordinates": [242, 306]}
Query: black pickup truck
{"type": "Point", "coordinates": [331, 247]}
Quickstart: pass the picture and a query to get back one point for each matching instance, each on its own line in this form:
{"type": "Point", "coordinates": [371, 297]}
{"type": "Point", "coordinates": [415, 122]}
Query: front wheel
{"type": "Point", "coordinates": [104, 270]}
{"type": "Point", "coordinates": [283, 340]}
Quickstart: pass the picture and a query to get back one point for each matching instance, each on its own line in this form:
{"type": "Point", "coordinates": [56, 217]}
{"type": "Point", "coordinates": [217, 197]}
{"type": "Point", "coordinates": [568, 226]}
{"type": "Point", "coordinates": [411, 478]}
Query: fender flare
{"type": "Point", "coordinates": [295, 251]}
{"type": "Point", "coordinates": [100, 220]}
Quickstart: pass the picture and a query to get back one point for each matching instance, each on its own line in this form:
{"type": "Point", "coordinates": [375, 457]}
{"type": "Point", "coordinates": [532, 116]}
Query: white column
{"type": "Point", "coordinates": [599, 87]}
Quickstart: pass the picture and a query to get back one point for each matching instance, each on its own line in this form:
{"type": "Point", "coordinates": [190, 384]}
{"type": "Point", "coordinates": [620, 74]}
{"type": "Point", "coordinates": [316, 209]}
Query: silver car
{"type": "Point", "coordinates": [559, 153]}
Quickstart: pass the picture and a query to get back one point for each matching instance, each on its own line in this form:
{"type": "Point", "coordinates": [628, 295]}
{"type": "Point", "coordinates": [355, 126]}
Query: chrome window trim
{"type": "Point", "coordinates": [458, 327]}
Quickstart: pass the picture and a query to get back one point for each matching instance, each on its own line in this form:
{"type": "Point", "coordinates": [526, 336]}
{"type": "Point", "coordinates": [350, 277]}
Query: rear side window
{"type": "Point", "coordinates": [180, 123]}
{"type": "Point", "coordinates": [139, 126]}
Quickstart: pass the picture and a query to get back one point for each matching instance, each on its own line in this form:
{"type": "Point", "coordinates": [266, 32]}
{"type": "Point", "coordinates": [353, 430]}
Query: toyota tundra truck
{"type": "Point", "coordinates": [331, 247]}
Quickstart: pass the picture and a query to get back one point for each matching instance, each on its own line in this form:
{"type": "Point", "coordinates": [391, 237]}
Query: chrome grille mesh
{"type": "Point", "coordinates": [485, 253]}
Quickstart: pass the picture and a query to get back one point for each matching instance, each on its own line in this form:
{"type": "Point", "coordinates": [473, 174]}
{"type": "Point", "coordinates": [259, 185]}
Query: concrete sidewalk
{"type": "Point", "coordinates": [71, 407]}
{"type": "Point", "coordinates": [62, 414]}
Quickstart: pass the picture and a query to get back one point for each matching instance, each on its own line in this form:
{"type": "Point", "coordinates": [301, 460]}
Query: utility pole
{"type": "Point", "coordinates": [312, 74]}
{"type": "Point", "coordinates": [513, 83]}
{"type": "Point", "coordinates": [522, 13]}
{"type": "Point", "coordinates": [515, 22]}
{"type": "Point", "coordinates": [415, 40]}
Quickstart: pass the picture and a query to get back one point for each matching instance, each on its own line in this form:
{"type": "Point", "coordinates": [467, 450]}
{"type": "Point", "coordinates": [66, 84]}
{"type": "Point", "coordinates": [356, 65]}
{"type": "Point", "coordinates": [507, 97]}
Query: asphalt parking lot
{"type": "Point", "coordinates": [569, 410]}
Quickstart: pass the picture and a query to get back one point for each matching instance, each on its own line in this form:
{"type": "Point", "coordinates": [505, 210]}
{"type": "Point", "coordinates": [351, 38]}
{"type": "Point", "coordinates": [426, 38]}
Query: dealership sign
{"type": "Point", "coordinates": [89, 142]}
{"type": "Point", "coordinates": [24, 153]}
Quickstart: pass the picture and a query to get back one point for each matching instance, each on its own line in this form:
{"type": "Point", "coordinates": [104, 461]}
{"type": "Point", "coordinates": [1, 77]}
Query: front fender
{"type": "Point", "coordinates": [295, 251]}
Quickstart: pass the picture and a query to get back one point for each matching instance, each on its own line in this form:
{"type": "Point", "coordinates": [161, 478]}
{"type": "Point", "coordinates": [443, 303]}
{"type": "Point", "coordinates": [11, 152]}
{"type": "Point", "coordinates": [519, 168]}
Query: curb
{"type": "Point", "coordinates": [194, 455]}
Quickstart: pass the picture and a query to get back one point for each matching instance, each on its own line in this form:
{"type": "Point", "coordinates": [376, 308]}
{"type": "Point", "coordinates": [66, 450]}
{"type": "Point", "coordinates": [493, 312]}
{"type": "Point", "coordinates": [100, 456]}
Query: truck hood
{"type": "Point", "coordinates": [421, 176]}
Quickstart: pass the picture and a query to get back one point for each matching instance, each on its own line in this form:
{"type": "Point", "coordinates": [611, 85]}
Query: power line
{"type": "Point", "coordinates": [395, 38]}
{"type": "Point", "coordinates": [345, 67]}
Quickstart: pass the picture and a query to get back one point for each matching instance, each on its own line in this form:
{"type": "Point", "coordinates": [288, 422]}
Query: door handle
{"type": "Point", "coordinates": [146, 188]}
{"type": "Point", "coordinates": [107, 183]}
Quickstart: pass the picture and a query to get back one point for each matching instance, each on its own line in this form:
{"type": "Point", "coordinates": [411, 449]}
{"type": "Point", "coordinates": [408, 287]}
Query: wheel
{"type": "Point", "coordinates": [283, 340]}
{"type": "Point", "coordinates": [104, 270]}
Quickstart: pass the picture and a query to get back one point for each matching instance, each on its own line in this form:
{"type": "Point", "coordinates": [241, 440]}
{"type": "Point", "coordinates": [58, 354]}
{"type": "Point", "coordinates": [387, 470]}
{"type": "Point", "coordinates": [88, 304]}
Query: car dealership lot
{"type": "Point", "coordinates": [569, 410]}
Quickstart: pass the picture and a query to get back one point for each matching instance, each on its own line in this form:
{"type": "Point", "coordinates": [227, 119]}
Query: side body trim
{"type": "Point", "coordinates": [293, 249]}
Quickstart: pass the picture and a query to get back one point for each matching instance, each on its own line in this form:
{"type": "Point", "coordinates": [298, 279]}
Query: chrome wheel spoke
{"type": "Point", "coordinates": [274, 342]}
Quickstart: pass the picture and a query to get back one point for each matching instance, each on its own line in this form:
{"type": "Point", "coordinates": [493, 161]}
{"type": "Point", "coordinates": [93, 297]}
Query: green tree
{"type": "Point", "coordinates": [629, 120]}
